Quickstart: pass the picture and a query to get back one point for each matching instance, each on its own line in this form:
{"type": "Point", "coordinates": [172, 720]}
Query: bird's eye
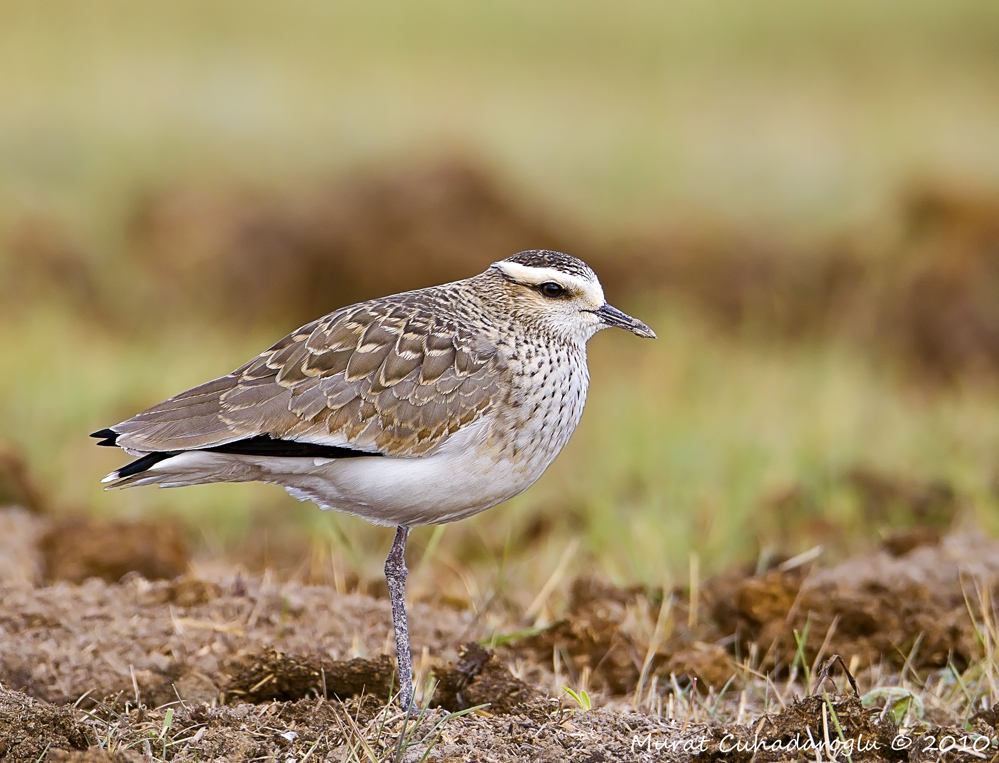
{"type": "Point", "coordinates": [551, 289]}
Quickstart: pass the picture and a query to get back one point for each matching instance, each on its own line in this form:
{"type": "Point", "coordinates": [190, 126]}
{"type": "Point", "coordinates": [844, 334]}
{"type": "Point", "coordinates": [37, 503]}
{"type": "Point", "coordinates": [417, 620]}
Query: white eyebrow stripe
{"type": "Point", "coordinates": [532, 276]}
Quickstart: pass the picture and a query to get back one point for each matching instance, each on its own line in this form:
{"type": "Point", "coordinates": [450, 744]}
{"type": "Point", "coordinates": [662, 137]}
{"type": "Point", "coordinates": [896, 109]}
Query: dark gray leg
{"type": "Point", "coordinates": [395, 576]}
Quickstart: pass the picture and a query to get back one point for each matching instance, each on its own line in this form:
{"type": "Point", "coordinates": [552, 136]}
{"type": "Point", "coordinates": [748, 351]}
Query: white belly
{"type": "Point", "coordinates": [454, 483]}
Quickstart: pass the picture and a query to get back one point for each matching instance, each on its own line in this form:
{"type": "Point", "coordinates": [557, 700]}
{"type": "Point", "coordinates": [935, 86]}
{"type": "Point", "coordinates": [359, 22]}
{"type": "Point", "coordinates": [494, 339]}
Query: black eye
{"type": "Point", "coordinates": [551, 289]}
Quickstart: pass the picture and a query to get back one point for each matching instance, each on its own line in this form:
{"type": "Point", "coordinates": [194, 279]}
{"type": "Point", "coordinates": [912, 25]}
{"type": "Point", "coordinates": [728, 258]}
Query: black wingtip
{"type": "Point", "coordinates": [108, 437]}
{"type": "Point", "coordinates": [144, 463]}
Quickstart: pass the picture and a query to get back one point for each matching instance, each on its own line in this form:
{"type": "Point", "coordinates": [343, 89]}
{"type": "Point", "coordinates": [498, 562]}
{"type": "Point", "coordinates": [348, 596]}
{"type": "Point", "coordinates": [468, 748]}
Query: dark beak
{"type": "Point", "coordinates": [611, 316]}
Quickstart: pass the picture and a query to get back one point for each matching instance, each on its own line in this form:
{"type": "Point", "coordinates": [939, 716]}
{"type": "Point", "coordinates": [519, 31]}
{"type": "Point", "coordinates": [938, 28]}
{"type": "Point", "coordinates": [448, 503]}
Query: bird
{"type": "Point", "coordinates": [419, 408]}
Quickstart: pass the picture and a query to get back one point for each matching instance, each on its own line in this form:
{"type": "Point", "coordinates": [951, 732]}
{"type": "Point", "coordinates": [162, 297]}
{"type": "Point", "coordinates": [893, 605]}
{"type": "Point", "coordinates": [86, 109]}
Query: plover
{"type": "Point", "coordinates": [419, 408]}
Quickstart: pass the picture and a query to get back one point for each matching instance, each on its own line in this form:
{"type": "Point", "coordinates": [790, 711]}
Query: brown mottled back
{"type": "Point", "coordinates": [395, 375]}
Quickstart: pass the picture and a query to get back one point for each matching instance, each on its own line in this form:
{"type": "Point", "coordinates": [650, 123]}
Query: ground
{"type": "Point", "coordinates": [801, 199]}
{"type": "Point", "coordinates": [217, 663]}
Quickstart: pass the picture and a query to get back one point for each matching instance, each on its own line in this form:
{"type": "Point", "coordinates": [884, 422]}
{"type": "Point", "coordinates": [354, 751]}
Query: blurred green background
{"type": "Point", "coordinates": [800, 198]}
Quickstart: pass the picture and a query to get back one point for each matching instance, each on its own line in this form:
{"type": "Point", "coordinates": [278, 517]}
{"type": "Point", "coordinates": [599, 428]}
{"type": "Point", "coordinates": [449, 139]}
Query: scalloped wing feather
{"type": "Point", "coordinates": [387, 376]}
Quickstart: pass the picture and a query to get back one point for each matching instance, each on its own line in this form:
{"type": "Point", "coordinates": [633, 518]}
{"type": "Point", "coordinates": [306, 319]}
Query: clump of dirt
{"type": "Point", "coordinates": [986, 720]}
{"type": "Point", "coordinates": [802, 731]}
{"type": "Point", "coordinates": [742, 279]}
{"type": "Point", "coordinates": [187, 591]}
{"type": "Point", "coordinates": [29, 727]}
{"type": "Point", "coordinates": [293, 257]}
{"type": "Point", "coordinates": [21, 561]}
{"type": "Point", "coordinates": [594, 635]}
{"type": "Point", "coordinates": [874, 608]}
{"type": "Point", "coordinates": [606, 631]}
{"type": "Point", "coordinates": [273, 676]}
{"type": "Point", "coordinates": [17, 487]}
{"type": "Point", "coordinates": [77, 549]}
{"type": "Point", "coordinates": [709, 664]}
{"type": "Point", "coordinates": [889, 499]}
{"type": "Point", "coordinates": [37, 543]}
{"type": "Point", "coordinates": [755, 608]}
{"type": "Point", "coordinates": [935, 299]}
{"type": "Point", "coordinates": [44, 259]}
{"type": "Point", "coordinates": [901, 542]}
{"type": "Point", "coordinates": [928, 295]}
{"type": "Point", "coordinates": [479, 678]}
{"type": "Point", "coordinates": [905, 511]}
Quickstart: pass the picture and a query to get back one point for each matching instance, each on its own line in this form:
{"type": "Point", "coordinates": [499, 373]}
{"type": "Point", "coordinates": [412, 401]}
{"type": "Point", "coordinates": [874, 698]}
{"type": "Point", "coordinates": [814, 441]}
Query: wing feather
{"type": "Point", "coordinates": [389, 376]}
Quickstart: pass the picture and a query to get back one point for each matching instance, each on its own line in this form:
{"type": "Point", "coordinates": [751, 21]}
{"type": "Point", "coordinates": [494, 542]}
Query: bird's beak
{"type": "Point", "coordinates": [611, 316]}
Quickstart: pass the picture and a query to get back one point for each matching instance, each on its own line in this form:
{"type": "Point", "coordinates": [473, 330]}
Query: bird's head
{"type": "Point", "coordinates": [561, 294]}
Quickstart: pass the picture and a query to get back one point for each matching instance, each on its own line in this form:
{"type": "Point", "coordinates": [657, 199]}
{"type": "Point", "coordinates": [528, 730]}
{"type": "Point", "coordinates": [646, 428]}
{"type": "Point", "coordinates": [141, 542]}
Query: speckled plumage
{"type": "Point", "coordinates": [417, 408]}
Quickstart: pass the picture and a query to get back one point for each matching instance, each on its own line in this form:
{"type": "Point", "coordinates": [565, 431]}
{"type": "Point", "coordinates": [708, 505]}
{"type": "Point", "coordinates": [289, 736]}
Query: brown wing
{"type": "Point", "coordinates": [387, 376]}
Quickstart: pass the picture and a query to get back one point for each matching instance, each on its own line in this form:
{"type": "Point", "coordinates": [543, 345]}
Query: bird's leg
{"type": "Point", "coordinates": [395, 576]}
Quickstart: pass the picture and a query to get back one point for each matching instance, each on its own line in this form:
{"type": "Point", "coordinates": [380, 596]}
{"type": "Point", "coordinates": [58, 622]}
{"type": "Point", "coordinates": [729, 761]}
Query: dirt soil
{"type": "Point", "coordinates": [217, 664]}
